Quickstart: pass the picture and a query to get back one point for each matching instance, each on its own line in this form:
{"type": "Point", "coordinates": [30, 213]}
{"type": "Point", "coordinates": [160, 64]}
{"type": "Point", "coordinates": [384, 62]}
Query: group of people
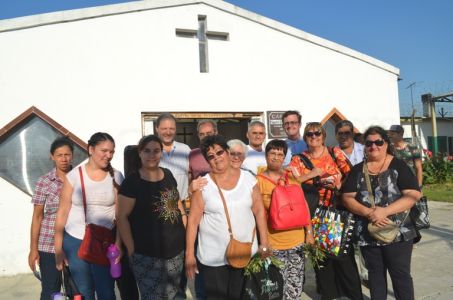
{"type": "Point", "coordinates": [176, 212]}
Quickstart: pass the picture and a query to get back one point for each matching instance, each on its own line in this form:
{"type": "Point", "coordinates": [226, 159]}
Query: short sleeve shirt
{"type": "Point", "coordinates": [47, 193]}
{"type": "Point", "coordinates": [409, 154]}
{"type": "Point", "coordinates": [155, 221]}
{"type": "Point", "coordinates": [294, 147]}
{"type": "Point", "coordinates": [387, 188]}
{"type": "Point", "coordinates": [177, 161]}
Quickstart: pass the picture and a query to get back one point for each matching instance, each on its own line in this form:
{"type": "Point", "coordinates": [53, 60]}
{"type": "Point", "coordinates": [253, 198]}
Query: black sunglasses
{"type": "Point", "coordinates": [313, 133]}
{"type": "Point", "coordinates": [217, 154]}
{"type": "Point", "coordinates": [376, 142]}
{"type": "Point", "coordinates": [344, 133]}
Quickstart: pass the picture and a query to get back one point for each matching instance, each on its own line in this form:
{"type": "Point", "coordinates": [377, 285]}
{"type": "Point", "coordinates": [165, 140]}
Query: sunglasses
{"type": "Point", "coordinates": [376, 142]}
{"type": "Point", "coordinates": [344, 133]}
{"type": "Point", "coordinates": [313, 133]}
{"type": "Point", "coordinates": [217, 154]}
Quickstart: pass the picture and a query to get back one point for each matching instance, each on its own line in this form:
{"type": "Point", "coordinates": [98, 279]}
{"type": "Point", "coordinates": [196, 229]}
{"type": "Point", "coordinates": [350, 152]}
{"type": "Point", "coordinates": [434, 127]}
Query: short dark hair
{"type": "Point", "coordinates": [210, 141]}
{"type": "Point", "coordinates": [61, 142]}
{"type": "Point", "coordinates": [344, 123]}
{"type": "Point", "coordinates": [292, 112]}
{"type": "Point", "coordinates": [383, 133]}
{"type": "Point", "coordinates": [277, 145]}
{"type": "Point", "coordinates": [164, 116]}
{"type": "Point", "coordinates": [149, 138]}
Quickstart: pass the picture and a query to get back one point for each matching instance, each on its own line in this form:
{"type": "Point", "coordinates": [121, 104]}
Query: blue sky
{"type": "Point", "coordinates": [414, 35]}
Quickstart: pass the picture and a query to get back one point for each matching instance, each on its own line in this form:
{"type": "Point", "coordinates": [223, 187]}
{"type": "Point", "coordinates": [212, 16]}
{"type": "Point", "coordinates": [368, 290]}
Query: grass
{"type": "Point", "coordinates": [439, 192]}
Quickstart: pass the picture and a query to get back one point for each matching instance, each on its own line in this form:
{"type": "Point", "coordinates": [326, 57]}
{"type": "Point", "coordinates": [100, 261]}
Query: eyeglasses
{"type": "Point", "coordinates": [236, 154]}
{"type": "Point", "coordinates": [258, 133]}
{"type": "Point", "coordinates": [276, 155]}
{"type": "Point", "coordinates": [292, 123]}
{"type": "Point", "coordinates": [313, 133]}
{"type": "Point", "coordinates": [376, 142]}
{"type": "Point", "coordinates": [344, 133]}
{"type": "Point", "coordinates": [217, 154]}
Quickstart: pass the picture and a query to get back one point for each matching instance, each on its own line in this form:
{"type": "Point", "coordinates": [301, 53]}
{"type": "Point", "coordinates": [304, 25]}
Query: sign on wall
{"type": "Point", "coordinates": [275, 128]}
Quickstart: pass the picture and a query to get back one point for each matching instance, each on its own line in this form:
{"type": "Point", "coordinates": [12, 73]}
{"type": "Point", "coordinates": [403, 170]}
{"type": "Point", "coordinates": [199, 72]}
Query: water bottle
{"type": "Point", "coordinates": [115, 268]}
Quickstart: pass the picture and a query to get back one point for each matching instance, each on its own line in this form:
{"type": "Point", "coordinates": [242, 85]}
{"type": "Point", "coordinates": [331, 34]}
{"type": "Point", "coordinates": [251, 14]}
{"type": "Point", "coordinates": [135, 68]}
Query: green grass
{"type": "Point", "coordinates": [439, 192]}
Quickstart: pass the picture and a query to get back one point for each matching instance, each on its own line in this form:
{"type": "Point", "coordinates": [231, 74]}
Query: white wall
{"type": "Point", "coordinates": [424, 129]}
{"type": "Point", "coordinates": [99, 74]}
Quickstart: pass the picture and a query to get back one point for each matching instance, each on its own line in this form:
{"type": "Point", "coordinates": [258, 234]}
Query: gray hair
{"type": "Point", "coordinates": [256, 123]}
{"type": "Point", "coordinates": [236, 142]}
{"type": "Point", "coordinates": [207, 121]}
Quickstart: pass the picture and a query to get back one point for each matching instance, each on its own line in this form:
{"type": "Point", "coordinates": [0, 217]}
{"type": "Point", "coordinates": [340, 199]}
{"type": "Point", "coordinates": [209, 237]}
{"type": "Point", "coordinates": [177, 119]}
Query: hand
{"type": "Point", "coordinates": [33, 259]}
{"type": "Point", "coordinates": [294, 171]}
{"type": "Point", "coordinates": [316, 172]}
{"type": "Point", "coordinates": [60, 260]}
{"type": "Point", "coordinates": [382, 222]}
{"type": "Point", "coordinates": [309, 238]}
{"type": "Point", "coordinates": [264, 251]}
{"type": "Point", "coordinates": [378, 214]}
{"type": "Point", "coordinates": [120, 249]}
{"type": "Point", "coordinates": [197, 184]}
{"type": "Point", "coordinates": [191, 266]}
{"type": "Point", "coordinates": [130, 251]}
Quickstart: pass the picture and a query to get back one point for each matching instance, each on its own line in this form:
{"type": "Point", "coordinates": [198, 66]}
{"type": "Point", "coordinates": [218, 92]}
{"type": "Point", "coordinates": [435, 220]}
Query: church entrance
{"type": "Point", "coordinates": [232, 125]}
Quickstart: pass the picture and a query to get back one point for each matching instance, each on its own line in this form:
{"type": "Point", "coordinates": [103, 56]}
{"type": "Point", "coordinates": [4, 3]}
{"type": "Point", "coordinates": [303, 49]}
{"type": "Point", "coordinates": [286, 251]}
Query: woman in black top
{"type": "Point", "coordinates": [395, 191]}
{"type": "Point", "coordinates": [152, 221]}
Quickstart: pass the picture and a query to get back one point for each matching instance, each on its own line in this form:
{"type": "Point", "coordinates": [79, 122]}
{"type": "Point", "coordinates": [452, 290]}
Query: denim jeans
{"type": "Point", "coordinates": [88, 277]}
{"type": "Point", "coordinates": [50, 276]}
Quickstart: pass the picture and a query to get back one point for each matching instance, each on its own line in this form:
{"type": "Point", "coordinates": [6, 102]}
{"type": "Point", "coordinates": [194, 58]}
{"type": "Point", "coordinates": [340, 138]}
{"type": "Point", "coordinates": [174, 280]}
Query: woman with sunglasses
{"type": "Point", "coordinates": [336, 277]}
{"type": "Point", "coordinates": [395, 191]}
{"type": "Point", "coordinates": [207, 215]}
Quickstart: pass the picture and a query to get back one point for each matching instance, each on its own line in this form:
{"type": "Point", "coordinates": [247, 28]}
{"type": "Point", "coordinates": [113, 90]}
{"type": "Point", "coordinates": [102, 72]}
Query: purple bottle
{"type": "Point", "coordinates": [112, 254]}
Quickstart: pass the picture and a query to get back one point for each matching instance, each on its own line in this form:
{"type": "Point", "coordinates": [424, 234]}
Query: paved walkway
{"type": "Point", "coordinates": [432, 265]}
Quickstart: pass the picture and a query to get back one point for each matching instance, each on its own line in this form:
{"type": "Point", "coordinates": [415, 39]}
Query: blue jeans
{"type": "Point", "coordinates": [88, 277]}
{"type": "Point", "coordinates": [50, 276]}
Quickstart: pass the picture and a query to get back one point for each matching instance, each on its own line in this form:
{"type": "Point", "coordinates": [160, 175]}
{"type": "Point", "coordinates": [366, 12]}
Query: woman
{"type": "Point", "coordinates": [285, 244]}
{"type": "Point", "coordinates": [45, 204]}
{"type": "Point", "coordinates": [244, 204]}
{"type": "Point", "coordinates": [395, 191]}
{"type": "Point", "coordinates": [150, 221]}
{"type": "Point", "coordinates": [100, 181]}
{"type": "Point", "coordinates": [336, 277]}
{"type": "Point", "coordinates": [238, 152]}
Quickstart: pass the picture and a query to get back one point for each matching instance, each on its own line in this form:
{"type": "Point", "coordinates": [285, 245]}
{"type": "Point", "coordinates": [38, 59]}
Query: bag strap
{"type": "Point", "coordinates": [83, 193]}
{"type": "Point", "coordinates": [368, 183]}
{"type": "Point", "coordinates": [309, 165]}
{"type": "Point", "coordinates": [226, 210]}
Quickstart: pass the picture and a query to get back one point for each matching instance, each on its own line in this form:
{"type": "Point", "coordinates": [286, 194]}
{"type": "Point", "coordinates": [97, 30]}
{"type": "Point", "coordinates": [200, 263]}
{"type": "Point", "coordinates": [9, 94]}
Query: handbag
{"type": "Point", "coordinates": [238, 254]}
{"type": "Point", "coordinates": [266, 284]}
{"type": "Point", "coordinates": [387, 233]}
{"type": "Point", "coordinates": [420, 215]}
{"type": "Point", "coordinates": [332, 230]}
{"type": "Point", "coordinates": [97, 238]}
{"type": "Point", "coordinates": [311, 191]}
{"type": "Point", "coordinates": [288, 208]}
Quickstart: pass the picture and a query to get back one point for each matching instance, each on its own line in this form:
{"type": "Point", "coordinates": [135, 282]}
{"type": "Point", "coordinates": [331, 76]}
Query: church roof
{"type": "Point", "coordinates": [137, 6]}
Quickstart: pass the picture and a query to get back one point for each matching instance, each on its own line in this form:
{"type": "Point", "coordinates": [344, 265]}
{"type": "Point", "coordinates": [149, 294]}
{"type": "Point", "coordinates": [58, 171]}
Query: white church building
{"type": "Point", "coordinates": [115, 68]}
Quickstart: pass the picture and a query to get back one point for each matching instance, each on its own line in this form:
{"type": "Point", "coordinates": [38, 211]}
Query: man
{"type": "Point", "coordinates": [409, 153]}
{"type": "Point", "coordinates": [175, 156]}
{"type": "Point", "coordinates": [344, 132]}
{"type": "Point", "coordinates": [292, 121]}
{"type": "Point", "coordinates": [198, 166]}
{"type": "Point", "coordinates": [256, 158]}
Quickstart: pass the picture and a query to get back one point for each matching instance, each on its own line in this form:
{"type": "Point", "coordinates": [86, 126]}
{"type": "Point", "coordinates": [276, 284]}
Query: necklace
{"type": "Point", "coordinates": [382, 166]}
{"type": "Point", "coordinates": [318, 156]}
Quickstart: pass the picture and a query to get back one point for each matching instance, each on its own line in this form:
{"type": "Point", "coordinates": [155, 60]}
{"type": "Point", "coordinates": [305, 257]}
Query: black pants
{"type": "Point", "coordinates": [396, 258]}
{"type": "Point", "coordinates": [223, 283]}
{"type": "Point", "coordinates": [126, 283]}
{"type": "Point", "coordinates": [339, 278]}
{"type": "Point", "coordinates": [50, 276]}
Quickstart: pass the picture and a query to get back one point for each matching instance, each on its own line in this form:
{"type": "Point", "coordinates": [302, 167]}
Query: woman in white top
{"type": "Point", "coordinates": [207, 215]}
{"type": "Point", "coordinates": [101, 182]}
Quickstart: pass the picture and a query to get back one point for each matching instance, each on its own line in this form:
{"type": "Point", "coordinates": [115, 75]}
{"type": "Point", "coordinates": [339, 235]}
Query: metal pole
{"type": "Point", "coordinates": [434, 125]}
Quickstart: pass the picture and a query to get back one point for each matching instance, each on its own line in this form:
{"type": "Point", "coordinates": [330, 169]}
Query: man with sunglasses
{"type": "Point", "coordinates": [344, 133]}
{"type": "Point", "coordinates": [292, 121]}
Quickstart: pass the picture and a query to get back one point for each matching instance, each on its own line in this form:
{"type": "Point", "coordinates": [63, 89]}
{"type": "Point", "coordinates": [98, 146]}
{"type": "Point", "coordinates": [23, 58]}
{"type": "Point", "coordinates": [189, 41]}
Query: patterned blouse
{"type": "Point", "coordinates": [387, 187]}
{"type": "Point", "coordinates": [47, 193]}
{"type": "Point", "coordinates": [335, 165]}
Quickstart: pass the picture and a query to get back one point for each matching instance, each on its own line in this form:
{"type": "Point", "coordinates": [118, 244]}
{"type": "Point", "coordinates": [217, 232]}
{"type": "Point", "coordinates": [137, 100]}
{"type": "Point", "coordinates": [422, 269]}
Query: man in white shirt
{"type": "Point", "coordinates": [344, 132]}
{"type": "Point", "coordinates": [256, 157]}
{"type": "Point", "coordinates": [292, 121]}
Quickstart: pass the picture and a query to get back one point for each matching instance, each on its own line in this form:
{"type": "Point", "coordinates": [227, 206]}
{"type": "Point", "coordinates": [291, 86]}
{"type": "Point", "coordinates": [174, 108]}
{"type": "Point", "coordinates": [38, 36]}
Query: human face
{"type": "Point", "coordinates": [256, 135]}
{"type": "Point", "coordinates": [274, 159]}
{"type": "Point", "coordinates": [218, 158]}
{"type": "Point", "coordinates": [150, 155]}
{"type": "Point", "coordinates": [167, 131]}
{"type": "Point", "coordinates": [373, 151]}
{"type": "Point", "coordinates": [237, 156]}
{"type": "Point", "coordinates": [344, 137]}
{"type": "Point", "coordinates": [395, 137]}
{"type": "Point", "coordinates": [205, 130]}
{"type": "Point", "coordinates": [292, 125]}
{"type": "Point", "coordinates": [62, 158]}
{"type": "Point", "coordinates": [102, 153]}
{"type": "Point", "coordinates": [314, 138]}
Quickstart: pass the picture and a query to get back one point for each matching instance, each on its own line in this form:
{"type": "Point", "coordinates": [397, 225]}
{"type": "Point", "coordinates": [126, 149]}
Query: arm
{"type": "Point", "coordinates": [196, 212]}
{"type": "Point", "coordinates": [260, 215]}
{"type": "Point", "coordinates": [117, 234]}
{"type": "Point", "coordinates": [60, 222]}
{"type": "Point", "coordinates": [419, 171]}
{"type": "Point", "coordinates": [355, 206]}
{"type": "Point", "coordinates": [183, 213]}
{"type": "Point", "coordinates": [125, 206]}
{"type": "Point", "coordinates": [33, 256]}
{"type": "Point", "coordinates": [309, 238]}
{"type": "Point", "coordinates": [297, 167]}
